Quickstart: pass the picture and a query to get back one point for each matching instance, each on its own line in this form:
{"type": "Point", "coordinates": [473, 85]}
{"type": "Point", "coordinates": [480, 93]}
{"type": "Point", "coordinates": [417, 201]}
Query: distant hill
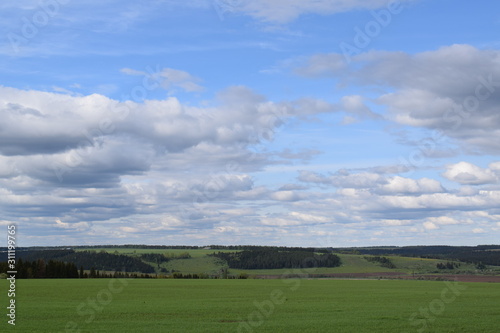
{"type": "Point", "coordinates": [485, 254]}
{"type": "Point", "coordinates": [260, 261]}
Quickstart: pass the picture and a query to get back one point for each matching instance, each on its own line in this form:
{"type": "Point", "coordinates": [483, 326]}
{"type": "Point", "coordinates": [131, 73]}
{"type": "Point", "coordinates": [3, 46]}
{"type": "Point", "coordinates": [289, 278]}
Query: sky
{"type": "Point", "coordinates": [266, 122]}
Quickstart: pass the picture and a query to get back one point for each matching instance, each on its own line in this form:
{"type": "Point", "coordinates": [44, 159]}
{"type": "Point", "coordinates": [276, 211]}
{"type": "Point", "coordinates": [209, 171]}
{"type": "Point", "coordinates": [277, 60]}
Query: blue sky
{"type": "Point", "coordinates": [296, 123]}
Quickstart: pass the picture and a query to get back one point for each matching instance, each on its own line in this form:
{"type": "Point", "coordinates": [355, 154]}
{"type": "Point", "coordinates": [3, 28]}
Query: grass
{"type": "Point", "coordinates": [351, 263]}
{"type": "Point", "coordinates": [167, 305]}
{"type": "Point", "coordinates": [209, 265]}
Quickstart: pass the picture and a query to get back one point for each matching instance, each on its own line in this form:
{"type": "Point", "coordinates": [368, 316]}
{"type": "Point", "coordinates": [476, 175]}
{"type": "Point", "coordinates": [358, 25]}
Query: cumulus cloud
{"type": "Point", "coordinates": [396, 202]}
{"type": "Point", "coordinates": [470, 174]}
{"type": "Point", "coordinates": [443, 220]}
{"type": "Point", "coordinates": [454, 90]}
{"type": "Point", "coordinates": [164, 165]}
{"type": "Point", "coordinates": [81, 159]}
{"type": "Point", "coordinates": [401, 185]}
{"type": "Point", "coordinates": [430, 225]}
{"type": "Point", "coordinates": [342, 178]}
{"type": "Point", "coordinates": [286, 196]}
{"type": "Point", "coordinates": [355, 105]}
{"type": "Point", "coordinates": [349, 181]}
{"type": "Point", "coordinates": [45, 123]}
{"type": "Point", "coordinates": [77, 226]}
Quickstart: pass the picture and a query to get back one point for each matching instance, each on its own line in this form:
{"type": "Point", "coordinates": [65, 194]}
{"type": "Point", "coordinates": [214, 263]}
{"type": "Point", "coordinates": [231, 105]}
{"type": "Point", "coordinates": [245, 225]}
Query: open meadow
{"type": "Point", "coordinates": [199, 261]}
{"type": "Point", "coordinates": [254, 305]}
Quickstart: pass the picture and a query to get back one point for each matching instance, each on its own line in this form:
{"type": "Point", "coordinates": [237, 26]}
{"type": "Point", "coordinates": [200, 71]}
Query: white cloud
{"type": "Point", "coordinates": [454, 90]}
{"type": "Point", "coordinates": [430, 226]}
{"type": "Point", "coordinates": [277, 221]}
{"type": "Point", "coordinates": [130, 230]}
{"type": "Point", "coordinates": [83, 159]}
{"type": "Point", "coordinates": [286, 196]}
{"type": "Point", "coordinates": [66, 122]}
{"type": "Point", "coordinates": [403, 185]}
{"type": "Point", "coordinates": [470, 174]}
{"type": "Point", "coordinates": [495, 166]}
{"type": "Point", "coordinates": [443, 220]}
{"type": "Point", "coordinates": [389, 222]}
{"type": "Point", "coordinates": [309, 217]}
{"type": "Point", "coordinates": [343, 178]}
{"type": "Point", "coordinates": [81, 226]}
{"type": "Point", "coordinates": [355, 104]}
{"type": "Point", "coordinates": [372, 181]}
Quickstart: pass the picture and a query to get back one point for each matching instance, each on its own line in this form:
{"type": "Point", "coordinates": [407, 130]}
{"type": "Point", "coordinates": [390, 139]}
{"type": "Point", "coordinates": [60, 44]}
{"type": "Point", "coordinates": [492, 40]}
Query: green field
{"type": "Point", "coordinates": [351, 263]}
{"type": "Point", "coordinates": [293, 305]}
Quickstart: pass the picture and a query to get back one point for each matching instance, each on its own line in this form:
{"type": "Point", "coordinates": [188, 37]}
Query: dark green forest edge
{"type": "Point", "coordinates": [269, 258]}
{"type": "Point", "coordinates": [90, 262]}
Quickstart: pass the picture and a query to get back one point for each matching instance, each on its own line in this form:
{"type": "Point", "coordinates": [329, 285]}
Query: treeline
{"type": "Point", "coordinates": [269, 248]}
{"type": "Point", "coordinates": [447, 265]}
{"type": "Point", "coordinates": [157, 258]}
{"type": "Point", "coordinates": [90, 259]}
{"type": "Point", "coordinates": [383, 261]}
{"type": "Point", "coordinates": [142, 247]}
{"type": "Point", "coordinates": [485, 254]}
{"type": "Point", "coordinates": [271, 258]}
{"type": "Point", "coordinates": [172, 247]}
{"type": "Point", "coordinates": [39, 269]}
{"type": "Point", "coordinates": [160, 258]}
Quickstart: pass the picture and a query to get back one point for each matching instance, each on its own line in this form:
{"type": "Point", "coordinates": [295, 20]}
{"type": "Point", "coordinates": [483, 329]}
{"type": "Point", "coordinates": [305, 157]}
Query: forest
{"type": "Point", "coordinates": [89, 259]}
{"type": "Point", "coordinates": [481, 254]}
{"type": "Point", "coordinates": [383, 261]}
{"type": "Point", "coordinates": [97, 261]}
{"type": "Point", "coordinates": [272, 258]}
{"type": "Point", "coordinates": [53, 269]}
